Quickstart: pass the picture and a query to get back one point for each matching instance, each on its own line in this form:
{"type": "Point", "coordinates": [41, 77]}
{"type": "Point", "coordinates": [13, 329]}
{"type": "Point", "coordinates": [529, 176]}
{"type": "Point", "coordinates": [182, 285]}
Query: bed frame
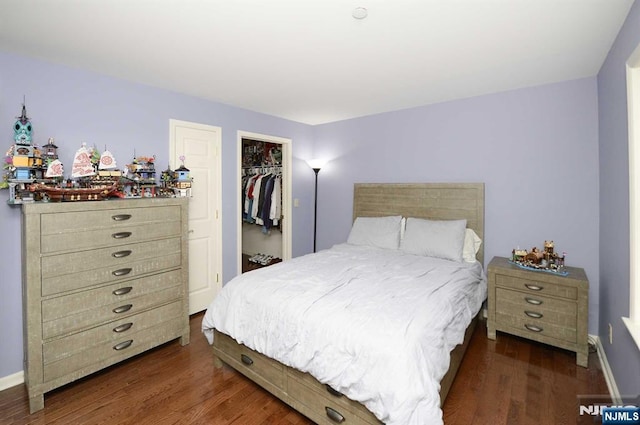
{"type": "Point", "coordinates": [320, 403]}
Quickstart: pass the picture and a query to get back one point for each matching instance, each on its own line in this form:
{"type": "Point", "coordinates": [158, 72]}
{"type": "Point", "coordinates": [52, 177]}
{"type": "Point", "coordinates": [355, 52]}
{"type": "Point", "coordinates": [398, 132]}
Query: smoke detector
{"type": "Point", "coordinates": [359, 13]}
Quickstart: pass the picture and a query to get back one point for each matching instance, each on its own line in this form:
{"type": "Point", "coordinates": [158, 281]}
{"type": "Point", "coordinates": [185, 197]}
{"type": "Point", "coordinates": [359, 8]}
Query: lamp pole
{"type": "Point", "coordinates": [315, 209]}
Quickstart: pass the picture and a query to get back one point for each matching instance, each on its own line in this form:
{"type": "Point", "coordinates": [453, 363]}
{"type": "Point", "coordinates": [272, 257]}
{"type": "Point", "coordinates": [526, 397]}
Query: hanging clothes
{"type": "Point", "coordinates": [262, 197]}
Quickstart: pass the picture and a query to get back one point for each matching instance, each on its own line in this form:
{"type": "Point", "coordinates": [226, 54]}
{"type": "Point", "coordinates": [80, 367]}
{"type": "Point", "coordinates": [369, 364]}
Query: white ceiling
{"type": "Point", "coordinates": [310, 60]}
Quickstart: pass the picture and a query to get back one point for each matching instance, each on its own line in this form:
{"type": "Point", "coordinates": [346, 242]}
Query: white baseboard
{"type": "Point", "coordinates": [606, 369]}
{"type": "Point", "coordinates": [11, 380]}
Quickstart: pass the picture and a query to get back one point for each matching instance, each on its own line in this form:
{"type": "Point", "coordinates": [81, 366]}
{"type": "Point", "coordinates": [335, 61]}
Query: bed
{"type": "Point", "coordinates": [337, 357]}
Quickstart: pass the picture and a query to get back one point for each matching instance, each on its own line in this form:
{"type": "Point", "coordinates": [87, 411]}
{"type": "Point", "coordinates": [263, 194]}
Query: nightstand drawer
{"type": "Point", "coordinates": [537, 287]}
{"type": "Point", "coordinates": [535, 327]}
{"type": "Point", "coordinates": [536, 308]}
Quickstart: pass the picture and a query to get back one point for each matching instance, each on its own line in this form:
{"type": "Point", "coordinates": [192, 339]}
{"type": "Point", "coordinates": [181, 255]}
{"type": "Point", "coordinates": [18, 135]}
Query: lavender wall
{"type": "Point", "coordinates": [535, 149]}
{"type": "Point", "coordinates": [76, 106]}
{"type": "Point", "coordinates": [623, 354]}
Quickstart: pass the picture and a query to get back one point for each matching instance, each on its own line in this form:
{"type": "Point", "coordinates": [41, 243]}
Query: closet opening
{"type": "Point", "coordinates": [264, 187]}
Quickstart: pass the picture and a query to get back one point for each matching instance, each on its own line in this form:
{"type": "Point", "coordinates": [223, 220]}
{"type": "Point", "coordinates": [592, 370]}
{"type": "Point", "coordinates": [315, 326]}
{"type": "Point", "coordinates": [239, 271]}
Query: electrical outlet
{"type": "Point", "coordinates": [610, 334]}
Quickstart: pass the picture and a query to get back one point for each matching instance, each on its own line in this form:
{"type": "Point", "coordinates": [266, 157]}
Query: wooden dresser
{"type": "Point", "coordinates": [102, 281]}
{"type": "Point", "coordinates": [539, 306]}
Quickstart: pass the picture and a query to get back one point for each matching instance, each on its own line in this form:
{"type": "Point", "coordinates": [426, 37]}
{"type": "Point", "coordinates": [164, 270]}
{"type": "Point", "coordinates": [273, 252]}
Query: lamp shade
{"type": "Point", "coordinates": [316, 163]}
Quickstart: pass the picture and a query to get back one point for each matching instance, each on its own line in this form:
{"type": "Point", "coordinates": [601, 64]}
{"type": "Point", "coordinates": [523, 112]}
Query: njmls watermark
{"type": "Point", "coordinates": [599, 409]}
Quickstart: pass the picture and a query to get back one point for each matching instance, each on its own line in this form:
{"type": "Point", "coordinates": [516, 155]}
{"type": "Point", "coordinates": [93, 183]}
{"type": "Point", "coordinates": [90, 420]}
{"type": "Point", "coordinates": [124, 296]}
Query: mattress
{"type": "Point", "coordinates": [376, 325]}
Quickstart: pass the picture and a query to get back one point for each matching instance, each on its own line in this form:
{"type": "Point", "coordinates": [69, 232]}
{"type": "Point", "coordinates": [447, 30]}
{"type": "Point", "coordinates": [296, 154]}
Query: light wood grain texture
{"type": "Point", "coordinates": [504, 382]}
{"type": "Point", "coordinates": [433, 201]}
{"type": "Point", "coordinates": [540, 306]}
{"type": "Point", "coordinates": [102, 282]}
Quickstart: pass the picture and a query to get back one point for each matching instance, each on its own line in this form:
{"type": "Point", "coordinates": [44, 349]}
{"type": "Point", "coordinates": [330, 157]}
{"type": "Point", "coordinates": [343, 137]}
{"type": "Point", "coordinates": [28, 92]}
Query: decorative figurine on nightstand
{"type": "Point", "coordinates": [537, 260]}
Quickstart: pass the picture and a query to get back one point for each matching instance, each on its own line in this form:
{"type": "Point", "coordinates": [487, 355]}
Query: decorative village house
{"type": "Point", "coordinates": [34, 174]}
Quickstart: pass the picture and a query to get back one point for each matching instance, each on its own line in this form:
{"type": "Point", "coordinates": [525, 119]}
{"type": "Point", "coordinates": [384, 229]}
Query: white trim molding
{"type": "Point", "coordinates": [606, 370]}
{"type": "Point", "coordinates": [287, 172]}
{"type": "Point", "coordinates": [12, 380]}
{"type": "Point", "coordinates": [633, 113]}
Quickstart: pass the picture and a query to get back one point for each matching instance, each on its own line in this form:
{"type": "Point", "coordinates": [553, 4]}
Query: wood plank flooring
{"type": "Point", "coordinates": [508, 381]}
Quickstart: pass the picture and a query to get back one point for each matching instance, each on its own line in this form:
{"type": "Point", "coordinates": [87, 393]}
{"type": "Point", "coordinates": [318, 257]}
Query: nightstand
{"type": "Point", "coordinates": [540, 306]}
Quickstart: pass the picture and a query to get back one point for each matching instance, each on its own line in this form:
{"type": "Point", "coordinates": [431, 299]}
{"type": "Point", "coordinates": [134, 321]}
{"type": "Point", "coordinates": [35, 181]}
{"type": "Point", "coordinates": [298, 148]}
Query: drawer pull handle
{"type": "Point", "coordinates": [121, 254]}
{"type": "Point", "coordinates": [121, 217]}
{"type": "Point", "coordinates": [334, 415]}
{"type": "Point", "coordinates": [123, 345]}
{"type": "Point", "coordinates": [122, 291]}
{"type": "Point", "coordinates": [122, 308]}
{"type": "Point", "coordinates": [533, 314]}
{"type": "Point", "coordinates": [333, 392]}
{"type": "Point", "coordinates": [123, 327]}
{"type": "Point", "coordinates": [533, 328]}
{"type": "Point", "coordinates": [120, 235]}
{"type": "Point", "coordinates": [122, 272]}
{"type": "Point", "coordinates": [532, 301]}
{"type": "Point", "coordinates": [246, 359]}
{"type": "Point", "coordinates": [534, 287]}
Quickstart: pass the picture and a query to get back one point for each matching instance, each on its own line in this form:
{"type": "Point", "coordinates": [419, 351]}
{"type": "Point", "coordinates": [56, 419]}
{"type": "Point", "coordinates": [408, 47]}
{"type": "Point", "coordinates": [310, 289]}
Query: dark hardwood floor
{"type": "Point", "coordinates": [508, 381]}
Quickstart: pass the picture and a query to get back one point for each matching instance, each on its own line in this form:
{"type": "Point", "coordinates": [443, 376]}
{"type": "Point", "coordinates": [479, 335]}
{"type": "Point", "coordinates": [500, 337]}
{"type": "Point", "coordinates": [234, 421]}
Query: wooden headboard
{"type": "Point", "coordinates": [434, 201]}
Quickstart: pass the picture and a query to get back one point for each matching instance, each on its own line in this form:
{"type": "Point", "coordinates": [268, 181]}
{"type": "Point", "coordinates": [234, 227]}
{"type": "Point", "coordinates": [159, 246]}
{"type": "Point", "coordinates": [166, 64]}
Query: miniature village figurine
{"type": "Point", "coordinates": [546, 260]}
{"type": "Point", "coordinates": [24, 164]}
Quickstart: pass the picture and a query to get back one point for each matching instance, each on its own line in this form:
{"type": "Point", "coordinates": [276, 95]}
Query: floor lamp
{"type": "Point", "coordinates": [316, 165]}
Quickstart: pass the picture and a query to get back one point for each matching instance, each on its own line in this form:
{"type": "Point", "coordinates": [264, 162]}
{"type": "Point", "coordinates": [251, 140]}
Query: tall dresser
{"type": "Point", "coordinates": [102, 281]}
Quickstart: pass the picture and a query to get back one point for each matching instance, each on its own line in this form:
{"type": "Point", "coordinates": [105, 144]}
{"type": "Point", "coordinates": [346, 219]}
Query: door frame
{"type": "Point", "coordinates": [217, 177]}
{"type": "Point", "coordinates": [286, 191]}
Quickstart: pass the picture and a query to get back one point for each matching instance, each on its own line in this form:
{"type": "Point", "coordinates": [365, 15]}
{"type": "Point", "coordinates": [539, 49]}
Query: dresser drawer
{"type": "Point", "coordinates": [536, 308]}
{"type": "Point", "coordinates": [333, 398]}
{"type": "Point", "coordinates": [74, 262]}
{"type": "Point", "coordinates": [117, 330]}
{"type": "Point", "coordinates": [251, 362]}
{"type": "Point", "coordinates": [79, 311]}
{"type": "Point", "coordinates": [537, 287]}
{"type": "Point", "coordinates": [52, 285]}
{"type": "Point", "coordinates": [111, 351]}
{"type": "Point", "coordinates": [74, 222]}
{"type": "Point", "coordinates": [99, 238]}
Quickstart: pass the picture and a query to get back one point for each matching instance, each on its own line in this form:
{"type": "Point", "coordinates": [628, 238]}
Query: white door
{"type": "Point", "coordinates": [200, 147]}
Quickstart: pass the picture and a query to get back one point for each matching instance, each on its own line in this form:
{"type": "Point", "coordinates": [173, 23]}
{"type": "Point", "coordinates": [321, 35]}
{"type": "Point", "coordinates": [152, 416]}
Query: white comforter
{"type": "Point", "coordinates": [376, 325]}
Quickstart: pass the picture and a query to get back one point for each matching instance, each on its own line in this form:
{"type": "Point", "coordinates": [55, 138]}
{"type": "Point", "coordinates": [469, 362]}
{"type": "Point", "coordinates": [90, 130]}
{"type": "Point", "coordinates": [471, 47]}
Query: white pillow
{"type": "Point", "coordinates": [434, 238]}
{"type": "Point", "coordinates": [471, 246]}
{"type": "Point", "coordinates": [380, 232]}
